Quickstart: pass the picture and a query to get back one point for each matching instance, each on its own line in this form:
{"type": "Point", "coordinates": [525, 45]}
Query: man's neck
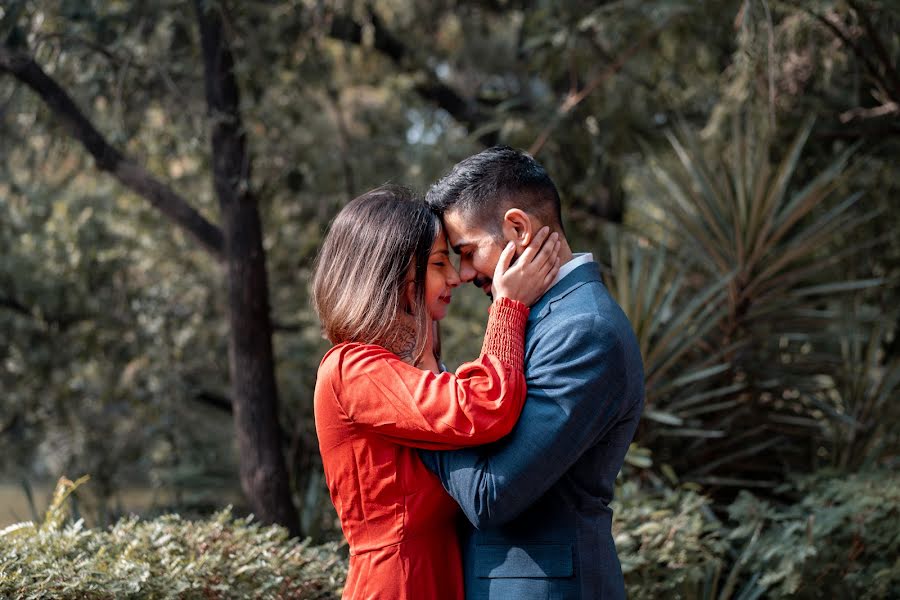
{"type": "Point", "coordinates": [566, 266]}
{"type": "Point", "coordinates": [565, 252]}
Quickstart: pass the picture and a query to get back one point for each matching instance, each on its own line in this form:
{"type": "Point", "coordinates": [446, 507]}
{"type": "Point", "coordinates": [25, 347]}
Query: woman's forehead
{"type": "Point", "coordinates": [440, 243]}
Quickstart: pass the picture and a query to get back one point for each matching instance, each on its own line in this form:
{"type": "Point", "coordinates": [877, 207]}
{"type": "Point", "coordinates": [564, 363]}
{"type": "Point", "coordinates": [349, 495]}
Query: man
{"type": "Point", "coordinates": [539, 498]}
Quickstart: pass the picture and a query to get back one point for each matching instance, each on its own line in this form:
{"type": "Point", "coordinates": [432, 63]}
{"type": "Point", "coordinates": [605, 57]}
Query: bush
{"type": "Point", "coordinates": [168, 557]}
{"type": "Point", "coordinates": [841, 540]}
{"type": "Point", "coordinates": [669, 542]}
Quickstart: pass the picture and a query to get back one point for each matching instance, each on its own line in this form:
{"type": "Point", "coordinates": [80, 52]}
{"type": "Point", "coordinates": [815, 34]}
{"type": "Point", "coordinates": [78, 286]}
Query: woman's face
{"type": "Point", "coordinates": [440, 278]}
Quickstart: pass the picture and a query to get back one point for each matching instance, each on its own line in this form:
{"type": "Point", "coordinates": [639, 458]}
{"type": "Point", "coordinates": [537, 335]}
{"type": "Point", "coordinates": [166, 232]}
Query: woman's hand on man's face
{"type": "Point", "coordinates": [532, 273]}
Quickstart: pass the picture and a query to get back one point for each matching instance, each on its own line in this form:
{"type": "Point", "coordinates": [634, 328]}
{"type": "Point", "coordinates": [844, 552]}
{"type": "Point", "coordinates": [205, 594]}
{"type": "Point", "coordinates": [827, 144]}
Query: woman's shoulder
{"type": "Point", "coordinates": [351, 355]}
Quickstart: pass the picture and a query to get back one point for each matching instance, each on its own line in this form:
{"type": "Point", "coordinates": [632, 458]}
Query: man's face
{"type": "Point", "coordinates": [478, 250]}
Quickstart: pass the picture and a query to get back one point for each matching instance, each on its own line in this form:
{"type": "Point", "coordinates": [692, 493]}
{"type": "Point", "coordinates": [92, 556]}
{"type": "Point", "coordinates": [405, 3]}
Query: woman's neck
{"type": "Point", "coordinates": [429, 361]}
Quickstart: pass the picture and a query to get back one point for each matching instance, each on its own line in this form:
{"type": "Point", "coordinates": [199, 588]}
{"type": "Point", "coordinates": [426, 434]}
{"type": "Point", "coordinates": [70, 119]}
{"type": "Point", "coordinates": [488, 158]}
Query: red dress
{"type": "Point", "coordinates": [372, 412]}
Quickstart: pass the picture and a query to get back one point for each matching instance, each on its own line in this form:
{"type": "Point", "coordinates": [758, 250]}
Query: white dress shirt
{"type": "Point", "coordinates": [578, 259]}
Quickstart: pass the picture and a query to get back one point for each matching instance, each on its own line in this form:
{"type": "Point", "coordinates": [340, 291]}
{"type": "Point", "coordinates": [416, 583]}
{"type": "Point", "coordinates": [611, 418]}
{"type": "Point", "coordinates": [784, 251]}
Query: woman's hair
{"type": "Point", "coordinates": [362, 271]}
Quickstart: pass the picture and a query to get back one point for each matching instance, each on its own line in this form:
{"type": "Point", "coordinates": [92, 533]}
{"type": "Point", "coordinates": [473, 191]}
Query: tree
{"type": "Point", "coordinates": [118, 346]}
{"type": "Point", "coordinates": [263, 472]}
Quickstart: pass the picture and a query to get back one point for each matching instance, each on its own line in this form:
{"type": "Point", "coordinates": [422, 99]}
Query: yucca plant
{"type": "Point", "coordinates": [863, 397]}
{"type": "Point", "coordinates": [739, 216]}
{"type": "Point", "coordinates": [774, 246]}
{"type": "Point", "coordinates": [673, 322]}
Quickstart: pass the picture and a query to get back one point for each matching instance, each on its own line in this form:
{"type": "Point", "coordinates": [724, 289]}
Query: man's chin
{"type": "Point", "coordinates": [487, 287]}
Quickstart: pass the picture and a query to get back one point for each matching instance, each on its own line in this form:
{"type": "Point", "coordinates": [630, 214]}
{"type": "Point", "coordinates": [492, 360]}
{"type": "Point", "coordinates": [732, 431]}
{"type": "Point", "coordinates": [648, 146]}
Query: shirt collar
{"type": "Point", "coordinates": [578, 259]}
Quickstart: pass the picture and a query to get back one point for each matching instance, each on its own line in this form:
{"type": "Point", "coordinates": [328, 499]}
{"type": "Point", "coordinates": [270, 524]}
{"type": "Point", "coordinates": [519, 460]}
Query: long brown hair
{"type": "Point", "coordinates": [362, 272]}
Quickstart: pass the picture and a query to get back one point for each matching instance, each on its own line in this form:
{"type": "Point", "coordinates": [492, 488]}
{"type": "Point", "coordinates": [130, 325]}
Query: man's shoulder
{"type": "Point", "coordinates": [585, 318]}
{"type": "Point", "coordinates": [578, 324]}
{"type": "Point", "coordinates": [585, 302]}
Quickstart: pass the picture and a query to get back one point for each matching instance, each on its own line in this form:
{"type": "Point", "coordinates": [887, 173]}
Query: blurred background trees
{"type": "Point", "coordinates": [732, 164]}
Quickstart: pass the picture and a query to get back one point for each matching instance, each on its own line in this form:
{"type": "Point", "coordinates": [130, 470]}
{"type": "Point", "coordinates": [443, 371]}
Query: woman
{"type": "Point", "coordinates": [382, 279]}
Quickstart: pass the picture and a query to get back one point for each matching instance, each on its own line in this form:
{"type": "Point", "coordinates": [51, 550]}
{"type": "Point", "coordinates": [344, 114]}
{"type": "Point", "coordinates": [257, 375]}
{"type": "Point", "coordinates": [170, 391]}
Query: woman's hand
{"type": "Point", "coordinates": [534, 271]}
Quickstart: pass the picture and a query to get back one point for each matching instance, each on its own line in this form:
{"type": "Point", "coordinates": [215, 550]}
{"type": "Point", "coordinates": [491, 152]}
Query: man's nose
{"type": "Point", "coordinates": [466, 272]}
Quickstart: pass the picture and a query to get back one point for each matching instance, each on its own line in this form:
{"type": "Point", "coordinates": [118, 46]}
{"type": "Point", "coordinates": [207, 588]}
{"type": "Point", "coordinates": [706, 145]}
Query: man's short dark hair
{"type": "Point", "coordinates": [486, 185]}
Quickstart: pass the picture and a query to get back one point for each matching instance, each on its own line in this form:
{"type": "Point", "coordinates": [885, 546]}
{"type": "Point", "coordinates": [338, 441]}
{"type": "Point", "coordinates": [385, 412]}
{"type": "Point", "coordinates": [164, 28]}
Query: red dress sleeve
{"type": "Point", "coordinates": [478, 404]}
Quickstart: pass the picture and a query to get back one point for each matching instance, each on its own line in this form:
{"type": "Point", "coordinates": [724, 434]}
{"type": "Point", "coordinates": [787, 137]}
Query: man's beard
{"type": "Point", "coordinates": [480, 282]}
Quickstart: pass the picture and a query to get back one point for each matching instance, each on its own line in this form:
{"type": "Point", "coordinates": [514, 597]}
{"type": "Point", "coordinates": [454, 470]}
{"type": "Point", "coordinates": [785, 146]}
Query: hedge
{"type": "Point", "coordinates": [841, 538]}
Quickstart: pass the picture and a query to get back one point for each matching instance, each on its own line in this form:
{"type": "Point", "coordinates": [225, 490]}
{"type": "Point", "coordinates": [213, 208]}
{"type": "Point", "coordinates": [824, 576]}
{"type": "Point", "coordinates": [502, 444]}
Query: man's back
{"type": "Point", "coordinates": [539, 498]}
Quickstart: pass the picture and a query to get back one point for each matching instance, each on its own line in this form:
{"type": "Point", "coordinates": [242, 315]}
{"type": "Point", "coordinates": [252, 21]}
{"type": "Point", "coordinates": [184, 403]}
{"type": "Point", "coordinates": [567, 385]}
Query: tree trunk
{"type": "Point", "coordinates": [264, 476]}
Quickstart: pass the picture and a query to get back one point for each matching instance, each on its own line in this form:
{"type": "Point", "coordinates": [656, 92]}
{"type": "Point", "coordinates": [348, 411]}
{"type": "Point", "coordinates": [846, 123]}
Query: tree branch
{"type": "Point", "coordinates": [891, 108]}
{"type": "Point", "coordinates": [574, 98]}
{"type": "Point", "coordinates": [214, 400]}
{"type": "Point", "coordinates": [108, 158]}
{"type": "Point", "coordinates": [860, 53]}
{"type": "Point", "coordinates": [42, 319]}
{"type": "Point", "coordinates": [878, 133]}
{"type": "Point", "coordinates": [880, 50]}
{"type": "Point", "coordinates": [223, 404]}
{"type": "Point", "coordinates": [334, 105]}
{"type": "Point", "coordinates": [346, 29]}
{"type": "Point", "coordinates": [465, 110]}
{"type": "Point", "coordinates": [15, 306]}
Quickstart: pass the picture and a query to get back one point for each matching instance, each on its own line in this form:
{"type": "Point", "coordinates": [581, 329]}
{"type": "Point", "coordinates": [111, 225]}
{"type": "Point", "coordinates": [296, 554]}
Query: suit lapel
{"type": "Point", "coordinates": [586, 273]}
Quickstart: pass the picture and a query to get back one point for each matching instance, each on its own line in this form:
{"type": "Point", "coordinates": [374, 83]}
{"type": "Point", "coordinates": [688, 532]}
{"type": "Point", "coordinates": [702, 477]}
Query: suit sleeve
{"type": "Point", "coordinates": [478, 404]}
{"type": "Point", "coordinates": [575, 384]}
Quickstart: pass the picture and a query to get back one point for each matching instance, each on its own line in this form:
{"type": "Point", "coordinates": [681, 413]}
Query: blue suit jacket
{"type": "Point", "coordinates": [539, 498]}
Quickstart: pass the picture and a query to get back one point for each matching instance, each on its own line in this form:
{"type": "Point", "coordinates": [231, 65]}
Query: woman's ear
{"type": "Point", "coordinates": [518, 228]}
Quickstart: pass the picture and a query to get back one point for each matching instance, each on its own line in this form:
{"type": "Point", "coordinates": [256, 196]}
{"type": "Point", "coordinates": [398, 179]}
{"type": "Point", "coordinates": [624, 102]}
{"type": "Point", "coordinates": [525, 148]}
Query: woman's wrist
{"type": "Point", "coordinates": [505, 335]}
{"type": "Point", "coordinates": [505, 304]}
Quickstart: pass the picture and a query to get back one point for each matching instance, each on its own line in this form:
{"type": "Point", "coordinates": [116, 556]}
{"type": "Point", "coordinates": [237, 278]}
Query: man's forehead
{"type": "Point", "coordinates": [459, 232]}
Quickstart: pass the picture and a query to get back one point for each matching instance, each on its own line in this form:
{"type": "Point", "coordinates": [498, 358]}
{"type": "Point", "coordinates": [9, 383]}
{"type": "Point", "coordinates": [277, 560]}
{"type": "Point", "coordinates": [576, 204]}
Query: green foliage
{"type": "Point", "coordinates": [168, 557]}
{"type": "Point", "coordinates": [743, 358]}
{"type": "Point", "coordinates": [112, 336]}
{"type": "Point", "coordinates": [669, 543]}
{"type": "Point", "coordinates": [108, 346]}
{"type": "Point", "coordinates": [745, 219]}
{"type": "Point", "coordinates": [841, 540]}
{"type": "Point", "coordinates": [864, 391]}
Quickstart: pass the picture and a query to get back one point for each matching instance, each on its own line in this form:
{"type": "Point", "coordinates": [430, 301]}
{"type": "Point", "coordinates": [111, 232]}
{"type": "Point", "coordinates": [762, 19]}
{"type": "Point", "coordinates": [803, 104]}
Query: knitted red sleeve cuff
{"type": "Point", "coordinates": [505, 334]}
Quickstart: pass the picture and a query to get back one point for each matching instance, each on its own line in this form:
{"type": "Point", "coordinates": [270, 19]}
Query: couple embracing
{"type": "Point", "coordinates": [493, 481]}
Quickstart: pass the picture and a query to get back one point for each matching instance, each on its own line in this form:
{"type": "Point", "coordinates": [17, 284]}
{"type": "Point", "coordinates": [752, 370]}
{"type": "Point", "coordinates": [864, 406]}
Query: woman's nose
{"type": "Point", "coordinates": [453, 278]}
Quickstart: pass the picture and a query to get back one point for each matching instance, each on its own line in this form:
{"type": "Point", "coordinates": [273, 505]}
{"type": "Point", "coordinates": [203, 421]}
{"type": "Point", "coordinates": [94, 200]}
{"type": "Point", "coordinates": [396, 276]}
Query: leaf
{"type": "Point", "coordinates": [662, 417]}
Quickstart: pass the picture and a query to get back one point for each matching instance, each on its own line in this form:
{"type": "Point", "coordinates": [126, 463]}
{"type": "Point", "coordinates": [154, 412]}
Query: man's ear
{"type": "Point", "coordinates": [518, 228]}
